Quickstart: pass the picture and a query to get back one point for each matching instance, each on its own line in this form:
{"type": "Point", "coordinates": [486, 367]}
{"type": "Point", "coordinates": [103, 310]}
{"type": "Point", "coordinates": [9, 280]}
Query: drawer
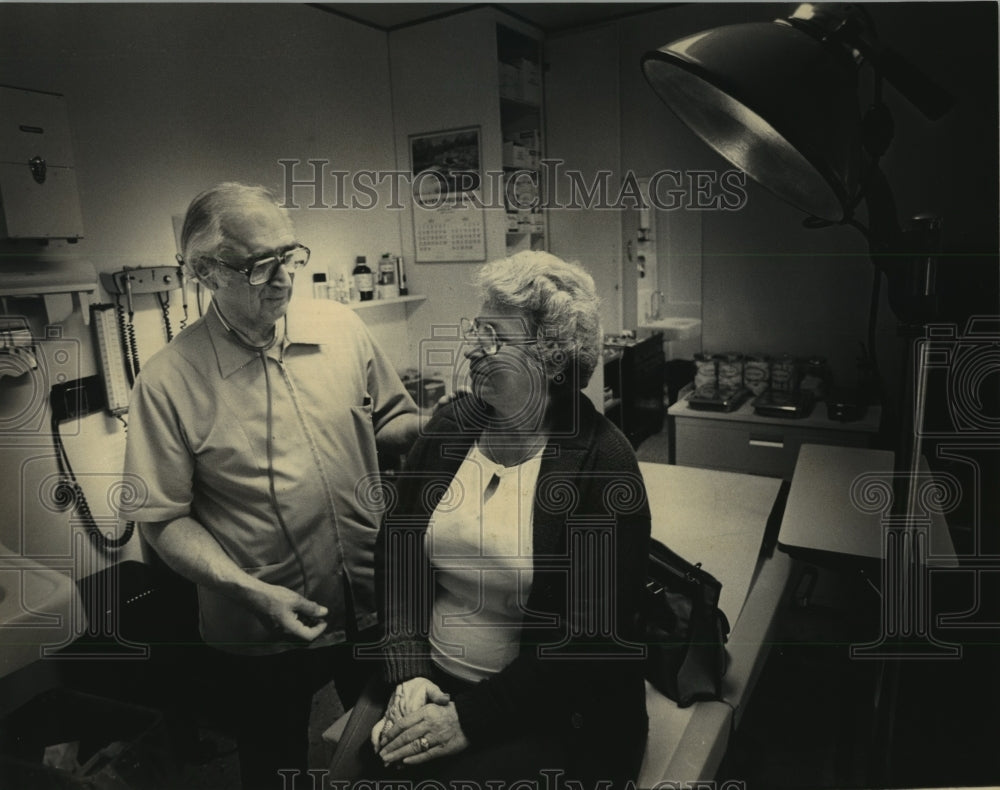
{"type": "Point", "coordinates": [760, 449]}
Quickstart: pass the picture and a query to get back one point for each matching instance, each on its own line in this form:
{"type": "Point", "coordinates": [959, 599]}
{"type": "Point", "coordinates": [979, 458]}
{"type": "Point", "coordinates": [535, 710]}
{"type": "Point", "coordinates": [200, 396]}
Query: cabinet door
{"type": "Point", "coordinates": [760, 449]}
{"type": "Point", "coordinates": [39, 211]}
{"type": "Point", "coordinates": [35, 126]}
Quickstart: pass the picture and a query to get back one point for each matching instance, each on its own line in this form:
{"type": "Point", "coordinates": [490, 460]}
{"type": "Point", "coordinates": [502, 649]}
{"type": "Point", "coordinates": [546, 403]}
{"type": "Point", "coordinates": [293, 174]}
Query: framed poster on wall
{"type": "Point", "coordinates": [448, 215]}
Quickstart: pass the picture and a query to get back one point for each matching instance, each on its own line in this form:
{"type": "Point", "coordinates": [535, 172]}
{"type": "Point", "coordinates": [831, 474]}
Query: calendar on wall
{"type": "Point", "coordinates": [448, 215]}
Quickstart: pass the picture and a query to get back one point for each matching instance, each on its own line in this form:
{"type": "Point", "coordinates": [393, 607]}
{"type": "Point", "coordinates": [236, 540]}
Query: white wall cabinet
{"type": "Point", "coordinates": [38, 195]}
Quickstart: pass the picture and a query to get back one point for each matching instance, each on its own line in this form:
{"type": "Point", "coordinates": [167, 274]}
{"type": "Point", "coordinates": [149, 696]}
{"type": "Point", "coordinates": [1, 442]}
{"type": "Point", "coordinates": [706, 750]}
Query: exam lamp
{"type": "Point", "coordinates": [780, 101]}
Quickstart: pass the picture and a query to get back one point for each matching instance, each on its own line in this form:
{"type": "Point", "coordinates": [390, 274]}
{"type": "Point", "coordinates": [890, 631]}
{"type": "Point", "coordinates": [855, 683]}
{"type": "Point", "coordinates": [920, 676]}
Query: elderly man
{"type": "Point", "coordinates": [251, 433]}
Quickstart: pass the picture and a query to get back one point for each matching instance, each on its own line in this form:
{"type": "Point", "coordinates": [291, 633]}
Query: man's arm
{"type": "Point", "coordinates": [190, 550]}
{"type": "Point", "coordinates": [397, 436]}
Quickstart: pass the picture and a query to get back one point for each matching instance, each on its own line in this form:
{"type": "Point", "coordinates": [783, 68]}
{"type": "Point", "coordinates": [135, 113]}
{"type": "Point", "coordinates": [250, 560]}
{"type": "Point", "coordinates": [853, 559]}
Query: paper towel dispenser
{"type": "Point", "coordinates": [38, 195]}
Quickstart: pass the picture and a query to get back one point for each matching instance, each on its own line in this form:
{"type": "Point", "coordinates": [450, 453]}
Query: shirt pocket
{"type": "Point", "coordinates": [363, 430]}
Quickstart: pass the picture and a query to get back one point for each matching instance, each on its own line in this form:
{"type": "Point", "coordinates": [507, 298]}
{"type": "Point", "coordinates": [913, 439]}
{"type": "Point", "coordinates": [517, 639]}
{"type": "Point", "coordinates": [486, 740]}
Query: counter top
{"type": "Point", "coordinates": [837, 505]}
{"type": "Point", "coordinates": [816, 419]}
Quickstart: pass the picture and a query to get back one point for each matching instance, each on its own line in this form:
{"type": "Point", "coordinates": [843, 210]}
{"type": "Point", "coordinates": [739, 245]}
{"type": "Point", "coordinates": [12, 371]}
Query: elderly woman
{"type": "Point", "coordinates": [514, 557]}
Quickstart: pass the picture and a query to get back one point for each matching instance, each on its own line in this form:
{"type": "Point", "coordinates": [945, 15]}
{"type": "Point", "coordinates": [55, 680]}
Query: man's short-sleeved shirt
{"type": "Point", "coordinates": [273, 452]}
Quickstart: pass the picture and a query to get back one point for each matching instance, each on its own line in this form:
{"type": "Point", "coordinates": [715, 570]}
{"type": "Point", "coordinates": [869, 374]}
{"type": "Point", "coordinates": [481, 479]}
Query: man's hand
{"type": "Point", "coordinates": [284, 610]}
{"type": "Point", "coordinates": [430, 732]}
{"type": "Point", "coordinates": [458, 392]}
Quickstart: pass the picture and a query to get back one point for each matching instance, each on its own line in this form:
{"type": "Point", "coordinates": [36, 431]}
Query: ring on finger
{"type": "Point", "coordinates": [423, 744]}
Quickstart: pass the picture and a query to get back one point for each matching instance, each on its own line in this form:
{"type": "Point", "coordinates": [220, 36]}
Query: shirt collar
{"type": "Point", "coordinates": [232, 355]}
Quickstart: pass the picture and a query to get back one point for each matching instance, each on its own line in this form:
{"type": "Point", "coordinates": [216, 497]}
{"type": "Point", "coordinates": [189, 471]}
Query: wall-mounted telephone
{"type": "Point", "coordinates": [118, 359]}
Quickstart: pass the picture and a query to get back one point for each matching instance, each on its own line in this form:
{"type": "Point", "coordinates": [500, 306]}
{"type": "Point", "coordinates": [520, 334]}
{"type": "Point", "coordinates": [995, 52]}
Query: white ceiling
{"type": "Point", "coordinates": [549, 17]}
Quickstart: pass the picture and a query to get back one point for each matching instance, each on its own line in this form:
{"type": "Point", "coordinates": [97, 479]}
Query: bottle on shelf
{"type": "Point", "coordinates": [401, 276]}
{"type": "Point", "coordinates": [364, 281]}
{"type": "Point", "coordinates": [319, 285]}
{"type": "Point", "coordinates": [388, 286]}
{"type": "Point", "coordinates": [343, 293]}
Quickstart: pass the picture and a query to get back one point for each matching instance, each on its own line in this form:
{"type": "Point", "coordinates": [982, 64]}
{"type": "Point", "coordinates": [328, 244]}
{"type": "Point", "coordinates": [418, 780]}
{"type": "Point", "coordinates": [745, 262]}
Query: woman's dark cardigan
{"type": "Point", "coordinates": [579, 670]}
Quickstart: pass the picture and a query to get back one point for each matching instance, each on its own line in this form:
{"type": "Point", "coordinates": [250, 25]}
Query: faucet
{"type": "Point", "coordinates": [655, 305]}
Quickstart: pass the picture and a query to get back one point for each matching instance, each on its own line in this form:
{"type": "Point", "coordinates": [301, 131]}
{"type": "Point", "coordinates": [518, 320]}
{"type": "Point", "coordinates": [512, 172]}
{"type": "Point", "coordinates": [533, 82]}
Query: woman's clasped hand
{"type": "Point", "coordinates": [420, 724]}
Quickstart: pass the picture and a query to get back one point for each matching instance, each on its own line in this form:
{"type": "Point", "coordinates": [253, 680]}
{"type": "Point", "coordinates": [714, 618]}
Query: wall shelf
{"type": "Point", "coordinates": [673, 328]}
{"type": "Point", "coordinates": [53, 280]}
{"type": "Point", "coordinates": [409, 298]}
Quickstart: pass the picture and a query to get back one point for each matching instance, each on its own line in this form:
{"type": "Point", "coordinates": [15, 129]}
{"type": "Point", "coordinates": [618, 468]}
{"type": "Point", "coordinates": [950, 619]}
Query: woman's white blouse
{"type": "Point", "coordinates": [480, 546]}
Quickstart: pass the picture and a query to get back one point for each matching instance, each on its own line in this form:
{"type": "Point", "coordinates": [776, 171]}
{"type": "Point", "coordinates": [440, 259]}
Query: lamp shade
{"type": "Point", "coordinates": [776, 102]}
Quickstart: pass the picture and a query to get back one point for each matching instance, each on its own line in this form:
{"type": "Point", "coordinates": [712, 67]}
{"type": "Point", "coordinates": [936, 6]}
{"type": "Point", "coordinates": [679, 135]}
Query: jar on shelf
{"type": "Point", "coordinates": [705, 371]}
{"type": "Point", "coordinates": [756, 373]}
{"type": "Point", "coordinates": [784, 374]}
{"type": "Point", "coordinates": [730, 371]}
{"type": "Point", "coordinates": [816, 376]}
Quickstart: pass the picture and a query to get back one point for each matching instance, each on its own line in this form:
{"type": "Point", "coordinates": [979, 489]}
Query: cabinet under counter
{"type": "Point", "coordinates": [743, 441]}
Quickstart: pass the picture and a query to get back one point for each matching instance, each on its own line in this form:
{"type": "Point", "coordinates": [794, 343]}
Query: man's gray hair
{"type": "Point", "coordinates": [204, 229]}
{"type": "Point", "coordinates": [560, 300]}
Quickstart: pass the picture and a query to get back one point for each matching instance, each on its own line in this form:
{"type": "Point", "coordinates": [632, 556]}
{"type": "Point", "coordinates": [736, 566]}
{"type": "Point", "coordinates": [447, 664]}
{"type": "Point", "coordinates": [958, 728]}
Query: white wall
{"type": "Point", "coordinates": [583, 130]}
{"type": "Point", "coordinates": [164, 101]}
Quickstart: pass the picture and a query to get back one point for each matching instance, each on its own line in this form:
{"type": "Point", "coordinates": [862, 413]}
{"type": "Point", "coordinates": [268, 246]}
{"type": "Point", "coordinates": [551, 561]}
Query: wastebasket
{"type": "Point", "coordinates": [67, 740]}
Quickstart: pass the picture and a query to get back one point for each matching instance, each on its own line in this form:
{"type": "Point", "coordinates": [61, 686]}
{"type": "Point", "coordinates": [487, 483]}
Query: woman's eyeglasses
{"type": "Point", "coordinates": [485, 336]}
{"type": "Point", "coordinates": [260, 270]}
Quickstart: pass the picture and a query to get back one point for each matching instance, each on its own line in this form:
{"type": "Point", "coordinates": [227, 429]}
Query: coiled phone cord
{"type": "Point", "coordinates": [128, 342]}
{"type": "Point", "coordinates": [69, 492]}
{"type": "Point", "coordinates": [164, 300]}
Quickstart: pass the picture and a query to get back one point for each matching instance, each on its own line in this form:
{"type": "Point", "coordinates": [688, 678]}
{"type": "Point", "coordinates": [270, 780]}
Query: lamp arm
{"type": "Point", "coordinates": [852, 27]}
{"type": "Point", "coordinates": [907, 258]}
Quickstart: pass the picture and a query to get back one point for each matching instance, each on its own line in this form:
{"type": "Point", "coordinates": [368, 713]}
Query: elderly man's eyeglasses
{"type": "Point", "coordinates": [261, 269]}
{"type": "Point", "coordinates": [485, 336]}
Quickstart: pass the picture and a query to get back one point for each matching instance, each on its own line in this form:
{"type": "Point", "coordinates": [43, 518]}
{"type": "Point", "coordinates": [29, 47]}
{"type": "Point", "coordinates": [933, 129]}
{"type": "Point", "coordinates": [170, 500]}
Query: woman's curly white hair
{"type": "Point", "coordinates": [561, 302]}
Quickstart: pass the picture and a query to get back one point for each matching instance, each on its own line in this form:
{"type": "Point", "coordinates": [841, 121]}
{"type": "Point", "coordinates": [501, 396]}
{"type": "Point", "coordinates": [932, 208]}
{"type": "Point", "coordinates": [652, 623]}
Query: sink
{"type": "Point", "coordinates": [40, 610]}
{"type": "Point", "coordinates": [673, 328]}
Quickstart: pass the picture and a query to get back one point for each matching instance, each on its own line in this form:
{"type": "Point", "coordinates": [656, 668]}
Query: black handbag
{"type": "Point", "coordinates": [685, 631]}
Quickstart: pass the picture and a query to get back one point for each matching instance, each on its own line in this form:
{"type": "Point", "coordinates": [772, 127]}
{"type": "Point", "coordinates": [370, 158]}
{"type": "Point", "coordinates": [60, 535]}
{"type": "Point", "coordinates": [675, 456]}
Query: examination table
{"type": "Point", "coordinates": [721, 520]}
